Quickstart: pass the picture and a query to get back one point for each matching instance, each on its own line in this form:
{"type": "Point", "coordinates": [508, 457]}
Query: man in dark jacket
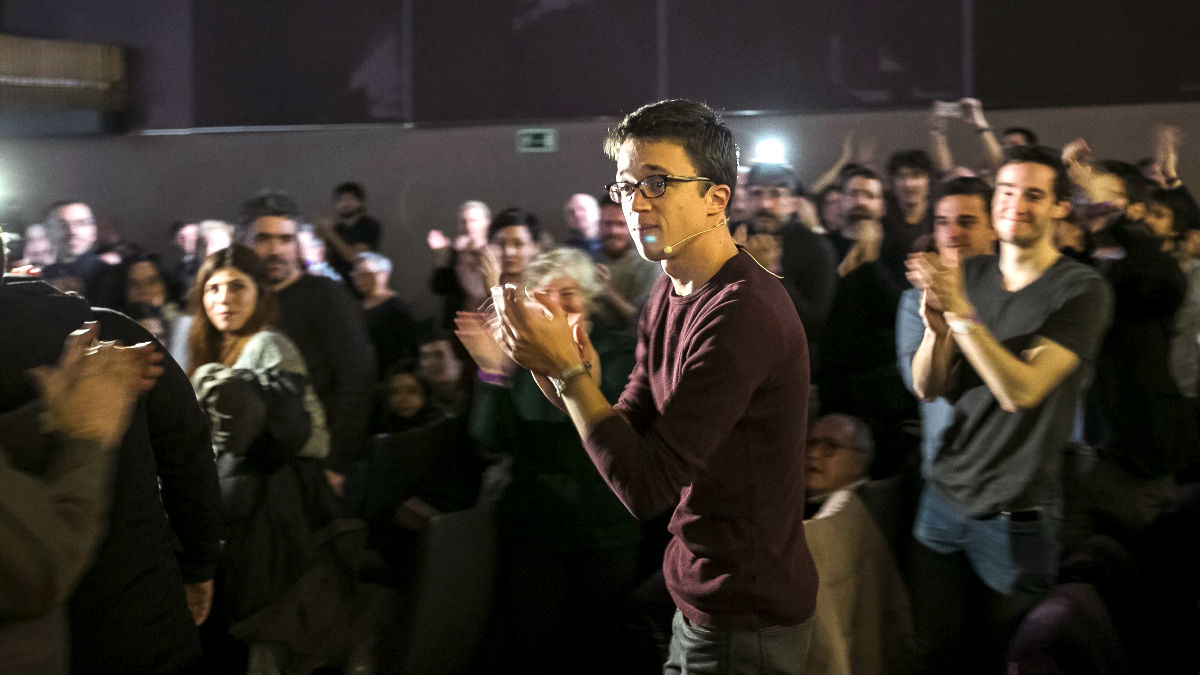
{"type": "Point", "coordinates": [130, 612]}
{"type": "Point", "coordinates": [54, 482]}
{"type": "Point", "coordinates": [326, 324]}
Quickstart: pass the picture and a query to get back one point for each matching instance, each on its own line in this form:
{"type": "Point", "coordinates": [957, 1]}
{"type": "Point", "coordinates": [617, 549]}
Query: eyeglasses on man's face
{"type": "Point", "coordinates": [651, 187]}
{"type": "Point", "coordinates": [825, 447]}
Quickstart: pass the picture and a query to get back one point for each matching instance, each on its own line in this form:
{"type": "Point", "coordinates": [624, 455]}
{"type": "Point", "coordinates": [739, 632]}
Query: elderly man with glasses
{"type": "Point", "coordinates": [862, 622]}
{"type": "Point", "coordinates": [711, 423]}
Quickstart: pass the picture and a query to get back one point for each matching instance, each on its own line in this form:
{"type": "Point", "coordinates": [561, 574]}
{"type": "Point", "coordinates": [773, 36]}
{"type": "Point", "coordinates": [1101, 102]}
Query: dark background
{"type": "Point", "coordinates": [215, 63]}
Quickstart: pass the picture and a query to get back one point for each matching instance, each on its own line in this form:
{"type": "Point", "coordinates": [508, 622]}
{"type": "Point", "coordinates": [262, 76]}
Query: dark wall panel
{"type": "Point", "coordinates": [270, 62]}
{"type": "Point", "coordinates": [823, 54]}
{"type": "Point", "coordinates": [279, 62]}
{"type": "Point", "coordinates": [1031, 52]}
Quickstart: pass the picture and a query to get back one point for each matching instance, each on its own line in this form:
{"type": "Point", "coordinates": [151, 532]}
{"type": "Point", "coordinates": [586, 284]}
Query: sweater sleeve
{"type": "Point", "coordinates": [49, 525]}
{"type": "Point", "coordinates": [635, 403]}
{"type": "Point", "coordinates": [728, 358]}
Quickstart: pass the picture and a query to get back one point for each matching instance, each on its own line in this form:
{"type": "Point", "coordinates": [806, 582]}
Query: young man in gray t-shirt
{"type": "Point", "coordinates": [1009, 340]}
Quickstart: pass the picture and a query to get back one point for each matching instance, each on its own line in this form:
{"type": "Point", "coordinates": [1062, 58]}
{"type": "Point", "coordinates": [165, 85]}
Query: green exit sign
{"type": "Point", "coordinates": [537, 140]}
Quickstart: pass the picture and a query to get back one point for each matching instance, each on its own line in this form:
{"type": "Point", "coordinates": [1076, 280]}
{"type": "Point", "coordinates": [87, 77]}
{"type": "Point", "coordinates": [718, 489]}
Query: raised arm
{"type": "Point", "coordinates": [939, 146]}
{"type": "Point", "coordinates": [830, 177]}
{"type": "Point", "coordinates": [973, 115]}
{"type": "Point", "coordinates": [647, 460]}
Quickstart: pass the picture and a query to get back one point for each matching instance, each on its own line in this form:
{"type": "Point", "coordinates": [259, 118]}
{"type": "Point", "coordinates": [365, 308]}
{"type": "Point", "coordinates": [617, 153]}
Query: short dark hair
{"type": "Point", "coordinates": [350, 188]}
{"type": "Point", "coordinates": [1137, 188]}
{"type": "Point", "coordinates": [968, 186]}
{"type": "Point", "coordinates": [772, 175]}
{"type": "Point", "coordinates": [269, 203]}
{"type": "Point", "coordinates": [1184, 215]}
{"type": "Point", "coordinates": [708, 142]}
{"type": "Point", "coordinates": [1030, 137]}
{"type": "Point", "coordinates": [858, 171]}
{"type": "Point", "coordinates": [1040, 154]}
{"type": "Point", "coordinates": [515, 216]}
{"type": "Point", "coordinates": [910, 159]}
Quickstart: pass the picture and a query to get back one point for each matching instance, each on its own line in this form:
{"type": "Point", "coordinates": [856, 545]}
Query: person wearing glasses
{"type": "Point", "coordinates": [862, 621]}
{"type": "Point", "coordinates": [712, 421]}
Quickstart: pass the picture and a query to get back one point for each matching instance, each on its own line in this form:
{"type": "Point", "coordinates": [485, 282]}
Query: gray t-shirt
{"type": "Point", "coordinates": [992, 460]}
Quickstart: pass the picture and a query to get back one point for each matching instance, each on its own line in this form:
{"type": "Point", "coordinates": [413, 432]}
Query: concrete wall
{"type": "Point", "coordinates": [416, 177]}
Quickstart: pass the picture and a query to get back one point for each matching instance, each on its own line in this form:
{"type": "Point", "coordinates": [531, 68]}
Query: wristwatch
{"type": "Point", "coordinates": [961, 325]}
{"type": "Point", "coordinates": [560, 382]}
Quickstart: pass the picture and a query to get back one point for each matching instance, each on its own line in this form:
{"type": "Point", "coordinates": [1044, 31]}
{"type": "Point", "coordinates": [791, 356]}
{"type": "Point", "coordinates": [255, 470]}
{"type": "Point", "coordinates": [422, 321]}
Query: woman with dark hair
{"type": "Point", "coordinates": [145, 284]}
{"type": "Point", "coordinates": [406, 400]}
{"type": "Point", "coordinates": [234, 309]}
{"type": "Point", "coordinates": [283, 584]}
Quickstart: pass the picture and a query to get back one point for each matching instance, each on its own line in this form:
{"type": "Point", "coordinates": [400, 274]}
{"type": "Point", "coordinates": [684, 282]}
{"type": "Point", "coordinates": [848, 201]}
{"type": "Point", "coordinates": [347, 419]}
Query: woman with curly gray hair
{"type": "Point", "coordinates": [568, 548]}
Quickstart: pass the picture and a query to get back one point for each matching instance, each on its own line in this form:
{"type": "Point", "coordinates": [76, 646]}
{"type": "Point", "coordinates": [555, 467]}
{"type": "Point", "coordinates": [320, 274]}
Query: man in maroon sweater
{"type": "Point", "coordinates": [712, 421]}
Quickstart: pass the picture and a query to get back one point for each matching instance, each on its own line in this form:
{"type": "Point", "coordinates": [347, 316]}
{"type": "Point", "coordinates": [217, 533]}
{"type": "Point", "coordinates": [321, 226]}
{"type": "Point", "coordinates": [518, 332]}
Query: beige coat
{"type": "Point", "coordinates": [863, 620]}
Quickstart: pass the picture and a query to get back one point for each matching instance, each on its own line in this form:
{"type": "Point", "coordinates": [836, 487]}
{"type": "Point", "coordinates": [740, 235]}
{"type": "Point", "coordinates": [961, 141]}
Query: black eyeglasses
{"type": "Point", "coordinates": [825, 447]}
{"type": "Point", "coordinates": [651, 187]}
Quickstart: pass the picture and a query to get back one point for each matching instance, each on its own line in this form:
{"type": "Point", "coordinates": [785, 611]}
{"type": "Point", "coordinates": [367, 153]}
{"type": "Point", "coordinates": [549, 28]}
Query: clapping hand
{"type": "Point", "coordinates": [90, 393]}
{"type": "Point", "coordinates": [480, 337]}
{"type": "Point", "coordinates": [941, 281]}
{"type": "Point", "coordinates": [535, 333]}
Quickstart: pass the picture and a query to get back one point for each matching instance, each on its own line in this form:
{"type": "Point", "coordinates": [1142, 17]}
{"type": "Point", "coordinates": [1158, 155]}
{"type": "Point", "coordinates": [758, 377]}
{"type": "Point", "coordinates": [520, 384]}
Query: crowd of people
{"type": "Point", "coordinates": [914, 417]}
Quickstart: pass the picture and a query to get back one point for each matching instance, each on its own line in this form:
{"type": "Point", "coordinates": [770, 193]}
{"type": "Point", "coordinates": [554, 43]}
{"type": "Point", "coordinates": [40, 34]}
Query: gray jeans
{"type": "Point", "coordinates": [699, 650]}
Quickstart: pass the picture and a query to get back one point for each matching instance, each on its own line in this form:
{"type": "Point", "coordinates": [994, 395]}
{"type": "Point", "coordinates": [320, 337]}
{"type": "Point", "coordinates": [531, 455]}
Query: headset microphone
{"type": "Point", "coordinates": [670, 248]}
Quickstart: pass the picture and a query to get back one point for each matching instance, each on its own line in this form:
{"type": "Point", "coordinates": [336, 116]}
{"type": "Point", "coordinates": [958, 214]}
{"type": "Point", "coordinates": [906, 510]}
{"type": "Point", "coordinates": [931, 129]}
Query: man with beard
{"type": "Point", "coordinates": [352, 233]}
{"type": "Point", "coordinates": [626, 276]}
{"type": "Point", "coordinates": [1010, 341]}
{"type": "Point", "coordinates": [326, 324]}
{"type": "Point", "coordinates": [858, 360]}
{"type": "Point", "coordinates": [808, 259]}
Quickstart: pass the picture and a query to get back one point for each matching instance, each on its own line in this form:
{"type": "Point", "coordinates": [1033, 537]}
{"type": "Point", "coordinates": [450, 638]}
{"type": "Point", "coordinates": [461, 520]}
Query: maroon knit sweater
{"type": "Point", "coordinates": [713, 423]}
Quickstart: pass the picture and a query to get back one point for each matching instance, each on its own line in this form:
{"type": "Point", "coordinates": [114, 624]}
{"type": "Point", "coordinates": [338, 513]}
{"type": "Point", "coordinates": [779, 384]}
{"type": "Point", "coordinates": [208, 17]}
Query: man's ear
{"type": "Point", "coordinates": [1135, 211]}
{"type": "Point", "coordinates": [1061, 208]}
{"type": "Point", "coordinates": [718, 199]}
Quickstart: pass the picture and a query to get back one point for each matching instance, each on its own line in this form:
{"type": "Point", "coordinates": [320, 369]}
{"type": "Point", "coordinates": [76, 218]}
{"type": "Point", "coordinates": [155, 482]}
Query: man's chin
{"type": "Point", "coordinates": [278, 274]}
{"type": "Point", "coordinates": [652, 254]}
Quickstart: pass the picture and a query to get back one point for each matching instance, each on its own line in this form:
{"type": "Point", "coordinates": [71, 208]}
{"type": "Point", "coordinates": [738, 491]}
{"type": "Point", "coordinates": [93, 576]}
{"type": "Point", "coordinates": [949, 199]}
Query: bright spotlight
{"type": "Point", "coordinates": [769, 151]}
